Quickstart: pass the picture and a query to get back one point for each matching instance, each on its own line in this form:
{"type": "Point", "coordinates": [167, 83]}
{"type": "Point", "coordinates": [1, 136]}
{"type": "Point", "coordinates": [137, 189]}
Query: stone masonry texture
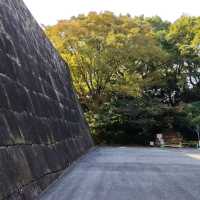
{"type": "Point", "coordinates": [42, 128]}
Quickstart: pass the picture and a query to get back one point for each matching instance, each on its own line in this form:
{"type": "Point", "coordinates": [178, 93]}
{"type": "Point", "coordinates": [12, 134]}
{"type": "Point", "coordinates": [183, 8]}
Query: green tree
{"type": "Point", "coordinates": [132, 74]}
{"type": "Point", "coordinates": [106, 53]}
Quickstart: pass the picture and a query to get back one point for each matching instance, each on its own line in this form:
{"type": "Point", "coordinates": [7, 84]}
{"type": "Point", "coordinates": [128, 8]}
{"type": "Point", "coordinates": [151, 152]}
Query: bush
{"type": "Point", "coordinates": [128, 120]}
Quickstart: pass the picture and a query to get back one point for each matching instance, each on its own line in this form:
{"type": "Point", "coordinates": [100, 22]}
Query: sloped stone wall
{"type": "Point", "coordinates": [42, 129]}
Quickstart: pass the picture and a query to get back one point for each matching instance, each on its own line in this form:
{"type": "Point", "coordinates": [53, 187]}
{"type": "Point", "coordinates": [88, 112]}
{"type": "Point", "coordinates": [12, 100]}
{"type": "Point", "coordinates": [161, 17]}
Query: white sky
{"type": "Point", "coordinates": [50, 11]}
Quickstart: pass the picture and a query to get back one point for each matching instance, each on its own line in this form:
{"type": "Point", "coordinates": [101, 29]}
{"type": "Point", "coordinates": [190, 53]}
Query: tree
{"type": "Point", "coordinates": [106, 53]}
{"type": "Point", "coordinates": [132, 74]}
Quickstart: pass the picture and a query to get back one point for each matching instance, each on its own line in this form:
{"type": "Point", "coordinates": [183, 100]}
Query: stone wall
{"type": "Point", "coordinates": [42, 129]}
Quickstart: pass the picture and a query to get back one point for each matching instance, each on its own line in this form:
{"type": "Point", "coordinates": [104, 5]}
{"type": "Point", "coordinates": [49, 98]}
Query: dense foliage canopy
{"type": "Point", "coordinates": [134, 76]}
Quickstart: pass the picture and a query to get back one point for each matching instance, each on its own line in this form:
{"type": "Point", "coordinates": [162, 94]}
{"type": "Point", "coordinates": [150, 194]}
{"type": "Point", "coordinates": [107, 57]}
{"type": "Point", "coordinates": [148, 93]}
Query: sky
{"type": "Point", "coordinates": [48, 12]}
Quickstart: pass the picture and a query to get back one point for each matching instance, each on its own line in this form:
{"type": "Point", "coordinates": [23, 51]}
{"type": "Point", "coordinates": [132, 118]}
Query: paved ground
{"type": "Point", "coordinates": [131, 174]}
